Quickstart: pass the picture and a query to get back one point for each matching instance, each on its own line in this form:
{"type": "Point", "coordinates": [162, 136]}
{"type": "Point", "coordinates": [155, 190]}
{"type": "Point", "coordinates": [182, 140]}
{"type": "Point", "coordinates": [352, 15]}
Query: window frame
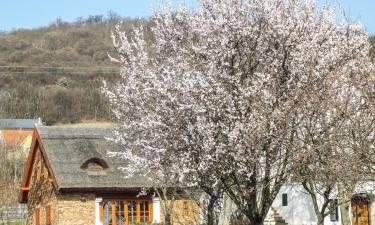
{"type": "Point", "coordinates": [138, 201]}
{"type": "Point", "coordinates": [185, 208]}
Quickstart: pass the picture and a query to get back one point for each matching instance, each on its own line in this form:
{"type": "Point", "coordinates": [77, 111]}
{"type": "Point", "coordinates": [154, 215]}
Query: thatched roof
{"type": "Point", "coordinates": [69, 150]}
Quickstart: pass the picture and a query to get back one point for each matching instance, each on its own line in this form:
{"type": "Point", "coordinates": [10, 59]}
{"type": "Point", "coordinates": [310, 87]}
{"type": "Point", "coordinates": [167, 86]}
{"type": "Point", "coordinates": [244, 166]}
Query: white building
{"type": "Point", "coordinates": [294, 205]}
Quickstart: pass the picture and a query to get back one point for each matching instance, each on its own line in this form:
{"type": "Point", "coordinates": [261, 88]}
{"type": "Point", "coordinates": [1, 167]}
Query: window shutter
{"type": "Point", "coordinates": [48, 215]}
{"type": "Point", "coordinates": [37, 216]}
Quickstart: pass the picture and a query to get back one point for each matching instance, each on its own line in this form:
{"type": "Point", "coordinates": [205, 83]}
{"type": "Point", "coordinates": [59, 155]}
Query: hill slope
{"type": "Point", "coordinates": [55, 72]}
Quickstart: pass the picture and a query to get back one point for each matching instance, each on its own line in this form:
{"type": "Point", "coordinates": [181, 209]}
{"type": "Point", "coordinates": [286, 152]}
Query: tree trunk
{"type": "Point", "coordinates": [320, 220]}
{"type": "Point", "coordinates": [313, 194]}
{"type": "Point", "coordinates": [344, 210]}
{"type": "Point", "coordinates": [226, 213]}
{"type": "Point", "coordinates": [345, 196]}
{"type": "Point", "coordinates": [211, 218]}
{"type": "Point", "coordinates": [168, 219]}
{"type": "Point", "coordinates": [253, 217]}
{"type": "Point", "coordinates": [254, 221]}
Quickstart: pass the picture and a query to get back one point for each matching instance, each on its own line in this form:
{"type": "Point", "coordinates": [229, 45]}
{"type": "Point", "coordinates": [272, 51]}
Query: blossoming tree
{"type": "Point", "coordinates": [216, 98]}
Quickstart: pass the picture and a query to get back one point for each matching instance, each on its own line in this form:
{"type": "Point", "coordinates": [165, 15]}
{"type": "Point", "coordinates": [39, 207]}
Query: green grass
{"type": "Point", "coordinates": [14, 223]}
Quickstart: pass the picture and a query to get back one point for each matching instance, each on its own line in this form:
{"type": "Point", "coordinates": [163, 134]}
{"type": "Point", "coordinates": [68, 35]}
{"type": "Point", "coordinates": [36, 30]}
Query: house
{"type": "Point", "coordinates": [15, 134]}
{"type": "Point", "coordinates": [69, 179]}
{"type": "Point", "coordinates": [15, 141]}
{"type": "Point", "coordinates": [294, 205]}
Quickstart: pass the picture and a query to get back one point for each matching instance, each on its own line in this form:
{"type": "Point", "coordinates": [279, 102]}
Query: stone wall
{"type": "Point", "coordinates": [185, 212]}
{"type": "Point", "coordinates": [13, 213]}
{"type": "Point", "coordinates": [76, 209]}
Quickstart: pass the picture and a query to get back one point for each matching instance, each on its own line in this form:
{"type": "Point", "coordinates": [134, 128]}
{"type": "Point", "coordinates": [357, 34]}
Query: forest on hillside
{"type": "Point", "coordinates": [55, 72]}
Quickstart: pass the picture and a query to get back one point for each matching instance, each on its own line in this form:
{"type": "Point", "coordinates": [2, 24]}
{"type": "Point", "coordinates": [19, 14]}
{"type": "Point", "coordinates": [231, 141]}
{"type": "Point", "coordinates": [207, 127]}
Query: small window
{"type": "Point", "coordinates": [185, 209]}
{"type": "Point", "coordinates": [94, 165]}
{"type": "Point", "coordinates": [284, 199]}
{"type": "Point", "coordinates": [334, 215]}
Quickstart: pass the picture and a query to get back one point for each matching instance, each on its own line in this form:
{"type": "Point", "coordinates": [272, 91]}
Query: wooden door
{"type": "Point", "coordinates": [361, 213]}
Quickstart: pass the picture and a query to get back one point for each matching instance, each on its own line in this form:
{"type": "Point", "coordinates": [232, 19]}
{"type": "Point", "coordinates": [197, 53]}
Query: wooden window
{"type": "Point", "coordinates": [121, 212]}
{"type": "Point", "coordinates": [37, 216]}
{"type": "Point", "coordinates": [48, 215]}
{"type": "Point", "coordinates": [185, 209]}
{"type": "Point", "coordinates": [107, 213]}
{"type": "Point", "coordinates": [144, 212]}
{"type": "Point", "coordinates": [132, 212]}
{"type": "Point", "coordinates": [284, 199]}
{"type": "Point", "coordinates": [334, 215]}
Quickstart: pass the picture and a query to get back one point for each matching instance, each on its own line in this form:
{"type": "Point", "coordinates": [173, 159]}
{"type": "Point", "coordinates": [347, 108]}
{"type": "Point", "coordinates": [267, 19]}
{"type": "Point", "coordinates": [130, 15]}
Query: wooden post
{"type": "Point", "coordinates": [126, 211]}
{"type": "Point", "coordinates": [48, 215]}
{"type": "Point", "coordinates": [101, 211]}
{"type": "Point", "coordinates": [138, 207]}
{"type": "Point", "coordinates": [151, 211]}
{"type": "Point", "coordinates": [114, 212]}
{"type": "Point", "coordinates": [37, 216]}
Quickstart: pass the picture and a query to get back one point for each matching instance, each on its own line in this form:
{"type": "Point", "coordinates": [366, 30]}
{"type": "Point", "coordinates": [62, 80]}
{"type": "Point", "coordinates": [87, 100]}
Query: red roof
{"type": "Point", "coordinates": [14, 138]}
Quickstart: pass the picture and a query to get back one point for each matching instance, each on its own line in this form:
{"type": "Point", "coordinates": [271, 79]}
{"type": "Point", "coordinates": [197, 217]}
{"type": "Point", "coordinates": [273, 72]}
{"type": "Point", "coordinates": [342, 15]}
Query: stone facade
{"type": "Point", "coordinates": [185, 212]}
{"type": "Point", "coordinates": [75, 209]}
{"type": "Point", "coordinates": [64, 209]}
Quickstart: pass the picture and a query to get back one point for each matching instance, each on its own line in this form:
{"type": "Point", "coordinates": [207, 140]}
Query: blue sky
{"type": "Point", "coordinates": [16, 14]}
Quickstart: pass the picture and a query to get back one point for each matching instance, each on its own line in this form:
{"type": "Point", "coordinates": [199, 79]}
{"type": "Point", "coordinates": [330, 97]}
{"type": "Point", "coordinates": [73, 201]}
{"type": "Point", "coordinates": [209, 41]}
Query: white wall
{"type": "Point", "coordinates": [156, 210]}
{"type": "Point", "coordinates": [97, 211]}
{"type": "Point", "coordinates": [300, 209]}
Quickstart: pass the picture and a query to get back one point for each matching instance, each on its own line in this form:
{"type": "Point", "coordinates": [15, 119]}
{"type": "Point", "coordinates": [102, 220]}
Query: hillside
{"type": "Point", "coordinates": [55, 72]}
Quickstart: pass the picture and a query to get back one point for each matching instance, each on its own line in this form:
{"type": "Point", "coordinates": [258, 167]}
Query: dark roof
{"type": "Point", "coordinates": [26, 124]}
{"type": "Point", "coordinates": [68, 148]}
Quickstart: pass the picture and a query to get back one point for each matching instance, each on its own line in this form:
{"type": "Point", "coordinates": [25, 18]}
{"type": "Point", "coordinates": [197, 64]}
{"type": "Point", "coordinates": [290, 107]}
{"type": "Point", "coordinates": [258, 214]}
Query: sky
{"type": "Point", "coordinates": [16, 14]}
